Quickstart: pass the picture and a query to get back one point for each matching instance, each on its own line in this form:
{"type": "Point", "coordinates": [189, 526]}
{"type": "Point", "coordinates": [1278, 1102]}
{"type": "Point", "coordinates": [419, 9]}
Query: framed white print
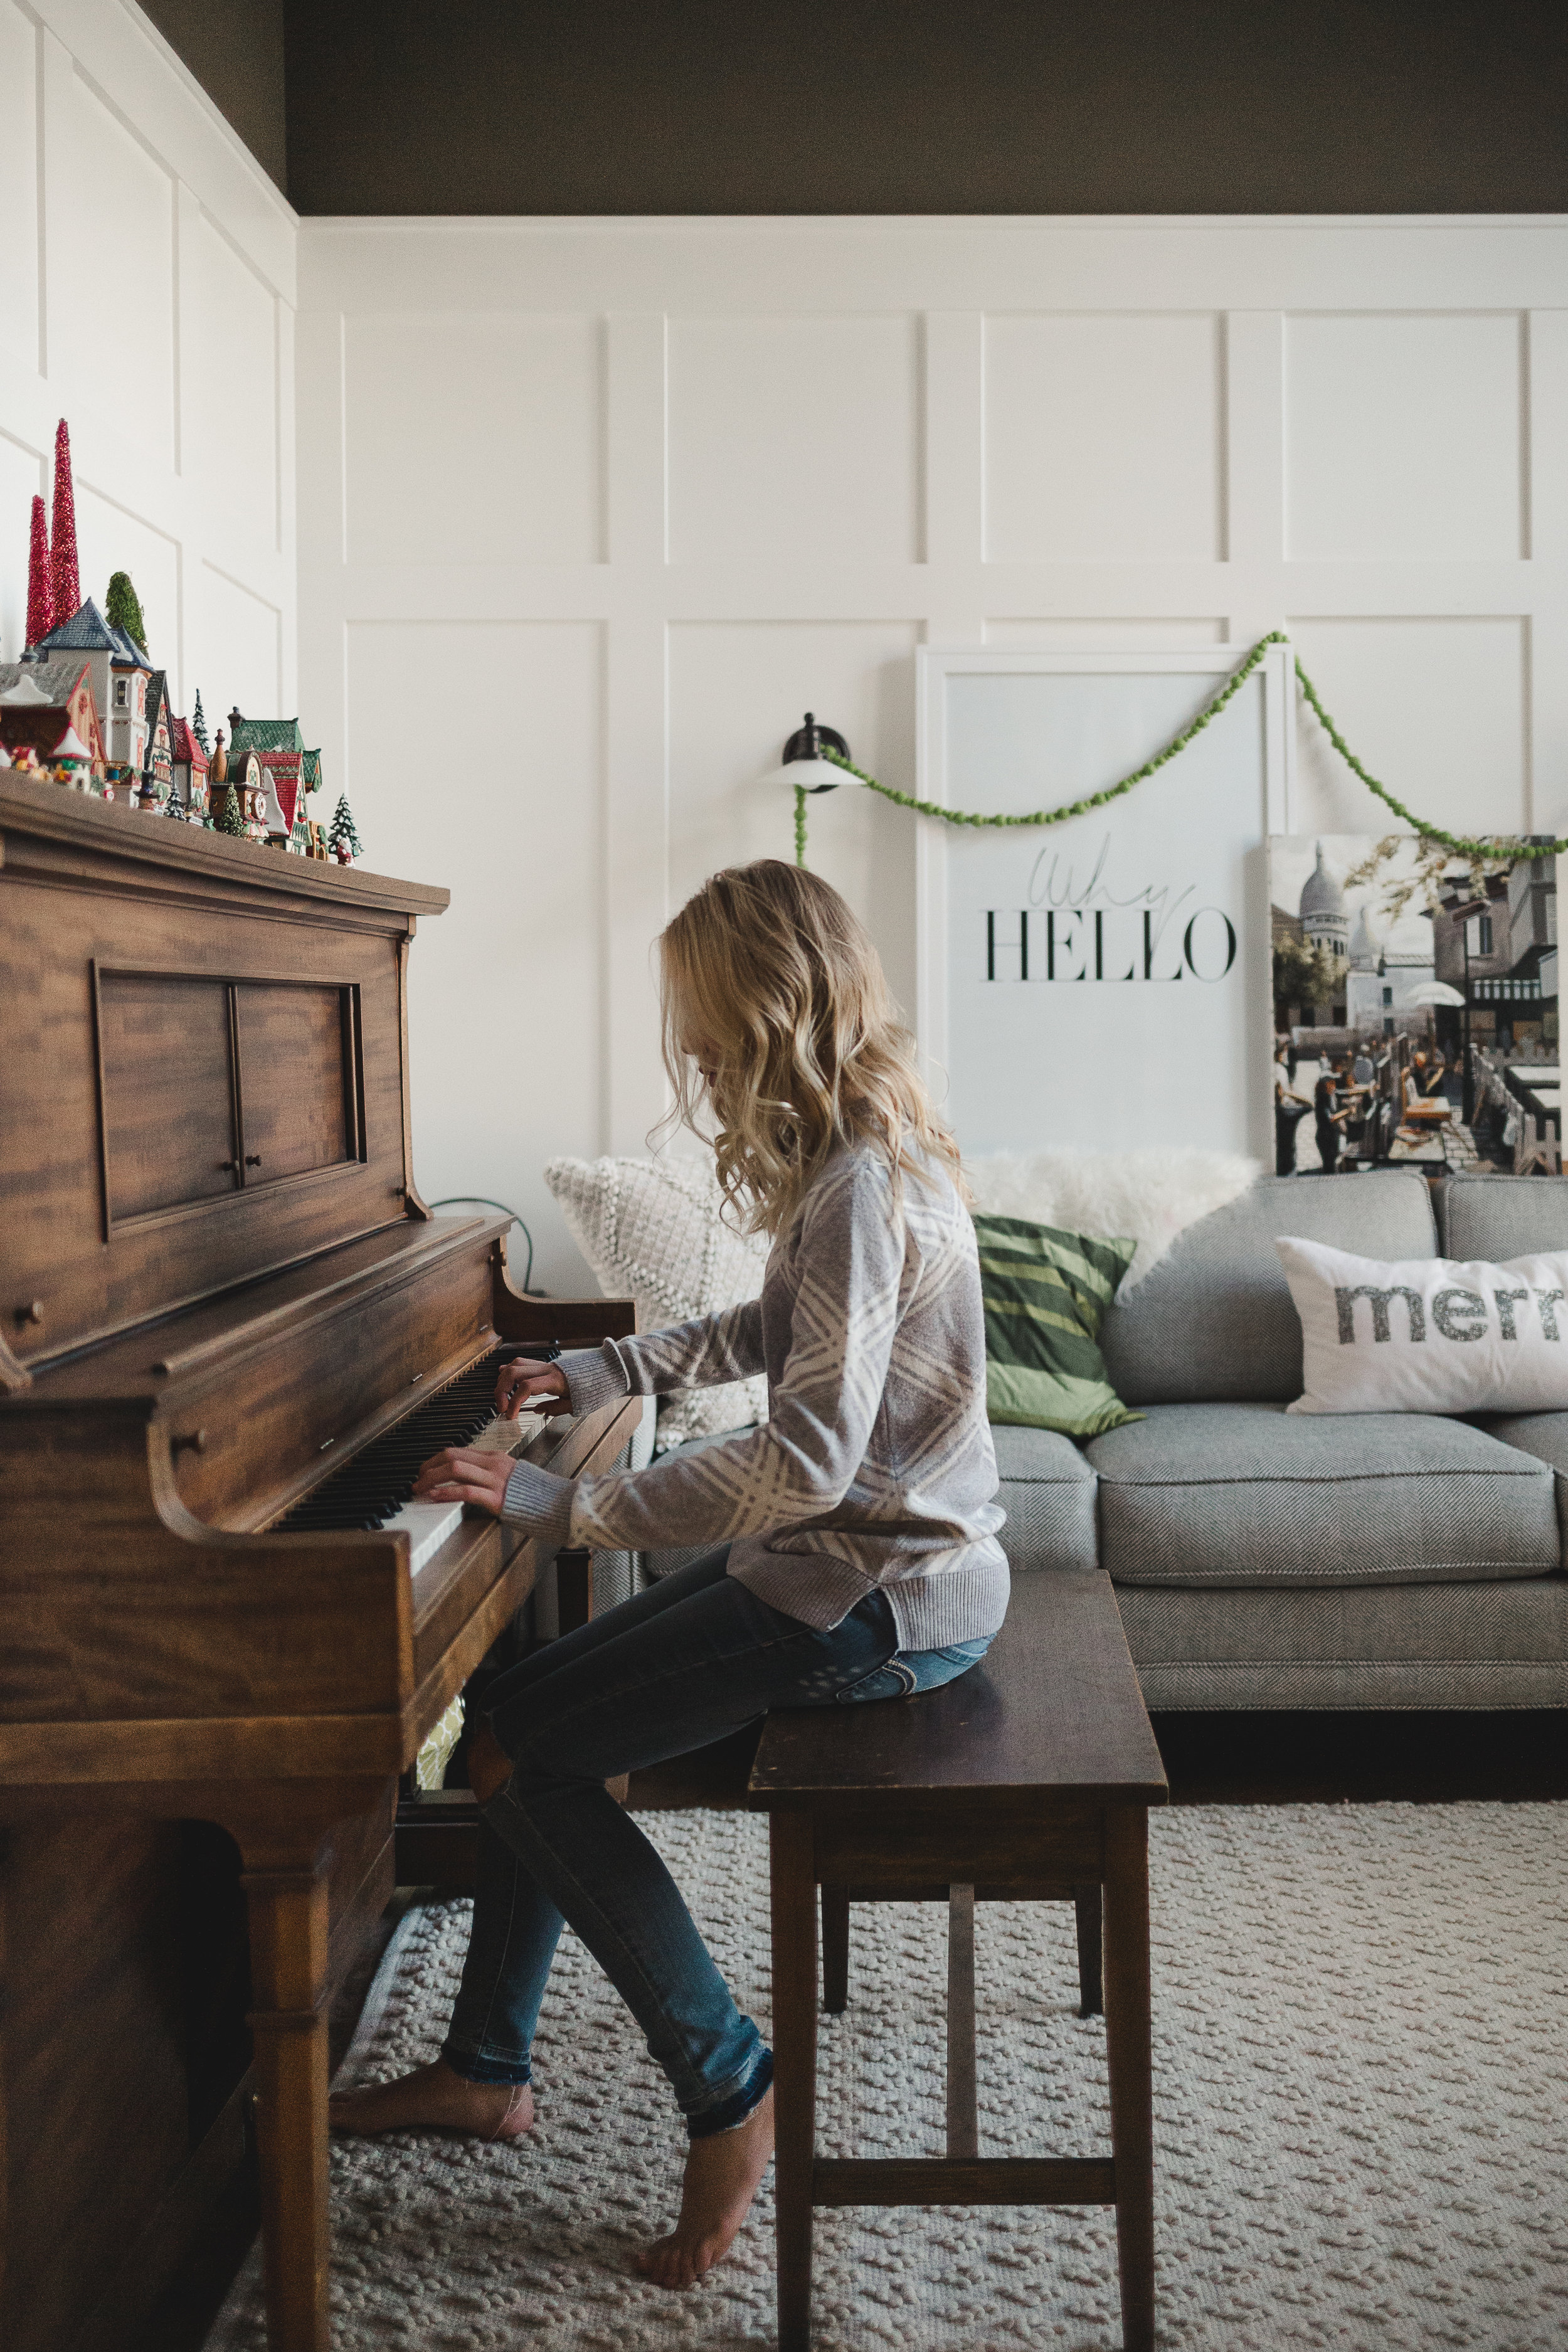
{"type": "Point", "coordinates": [1103, 982]}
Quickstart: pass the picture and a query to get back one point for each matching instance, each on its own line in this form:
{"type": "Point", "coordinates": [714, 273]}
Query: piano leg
{"type": "Point", "coordinates": [286, 1890]}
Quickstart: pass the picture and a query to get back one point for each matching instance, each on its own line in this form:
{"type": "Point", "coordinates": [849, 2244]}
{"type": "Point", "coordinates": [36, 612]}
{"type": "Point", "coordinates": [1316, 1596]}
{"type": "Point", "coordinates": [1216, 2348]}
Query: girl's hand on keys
{"type": "Point", "coordinates": [526, 1385]}
{"type": "Point", "coordinates": [459, 1475]}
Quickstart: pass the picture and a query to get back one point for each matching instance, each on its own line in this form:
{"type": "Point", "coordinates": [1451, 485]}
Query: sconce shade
{"type": "Point", "coordinates": [802, 764]}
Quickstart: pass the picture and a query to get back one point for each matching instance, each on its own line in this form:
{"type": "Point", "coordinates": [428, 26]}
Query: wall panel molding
{"type": "Point", "coordinates": [759, 556]}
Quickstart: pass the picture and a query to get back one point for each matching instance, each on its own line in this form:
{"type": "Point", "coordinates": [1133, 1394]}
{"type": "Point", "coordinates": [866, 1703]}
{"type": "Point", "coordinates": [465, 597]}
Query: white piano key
{"type": "Point", "coordinates": [426, 1526]}
{"type": "Point", "coordinates": [506, 1436]}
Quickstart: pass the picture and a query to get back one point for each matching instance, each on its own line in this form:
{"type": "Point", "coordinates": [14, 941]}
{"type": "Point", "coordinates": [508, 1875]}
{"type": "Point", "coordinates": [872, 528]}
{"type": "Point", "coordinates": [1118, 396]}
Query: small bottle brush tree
{"type": "Point", "coordinates": [122, 609]}
{"type": "Point", "coordinates": [342, 840]}
{"type": "Point", "coordinates": [40, 586]}
{"type": "Point", "coordinates": [66, 576]}
{"type": "Point", "coordinates": [228, 819]}
{"type": "Point", "coordinates": [199, 724]}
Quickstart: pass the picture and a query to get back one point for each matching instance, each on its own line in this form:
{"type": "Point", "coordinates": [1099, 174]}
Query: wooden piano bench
{"type": "Point", "coordinates": [1029, 1779]}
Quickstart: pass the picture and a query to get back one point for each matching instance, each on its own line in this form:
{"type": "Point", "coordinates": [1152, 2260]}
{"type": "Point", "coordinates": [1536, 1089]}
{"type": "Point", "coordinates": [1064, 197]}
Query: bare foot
{"type": "Point", "coordinates": [721, 2175]}
{"type": "Point", "coordinates": [435, 2099]}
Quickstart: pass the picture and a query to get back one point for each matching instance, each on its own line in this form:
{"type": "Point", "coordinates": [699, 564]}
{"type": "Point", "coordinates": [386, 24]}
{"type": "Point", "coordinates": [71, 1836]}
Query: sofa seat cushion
{"type": "Point", "coordinates": [1047, 1492]}
{"type": "Point", "coordinates": [1545, 1437]}
{"type": "Point", "coordinates": [1248, 1495]}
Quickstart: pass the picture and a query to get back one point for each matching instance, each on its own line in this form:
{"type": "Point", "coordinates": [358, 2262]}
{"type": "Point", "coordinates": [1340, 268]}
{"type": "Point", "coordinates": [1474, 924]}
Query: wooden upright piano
{"type": "Point", "coordinates": [229, 1328]}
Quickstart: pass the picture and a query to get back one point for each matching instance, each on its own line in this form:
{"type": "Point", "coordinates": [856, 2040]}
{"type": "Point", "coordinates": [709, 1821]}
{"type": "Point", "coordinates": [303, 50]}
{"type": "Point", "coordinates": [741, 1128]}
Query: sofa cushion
{"type": "Point", "coordinates": [1047, 1493]}
{"type": "Point", "coordinates": [1214, 1320]}
{"type": "Point", "coordinates": [1248, 1495]}
{"type": "Point", "coordinates": [1502, 1216]}
{"type": "Point", "coordinates": [1044, 1293]}
{"type": "Point", "coordinates": [1543, 1434]}
{"type": "Point", "coordinates": [1429, 1334]}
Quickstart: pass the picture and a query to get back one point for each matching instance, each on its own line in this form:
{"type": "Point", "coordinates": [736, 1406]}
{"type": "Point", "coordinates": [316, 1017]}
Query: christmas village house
{"type": "Point", "coordinates": [269, 793]}
{"type": "Point", "coordinates": [292, 771]}
{"type": "Point", "coordinates": [42, 702]}
{"type": "Point", "coordinates": [121, 672]}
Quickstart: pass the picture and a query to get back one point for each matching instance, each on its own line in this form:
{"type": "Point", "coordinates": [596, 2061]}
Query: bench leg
{"type": "Point", "coordinates": [791, 1845]}
{"type": "Point", "coordinates": [834, 1949]}
{"type": "Point", "coordinates": [1091, 1939]}
{"type": "Point", "coordinates": [1129, 2052]}
{"type": "Point", "coordinates": [962, 2105]}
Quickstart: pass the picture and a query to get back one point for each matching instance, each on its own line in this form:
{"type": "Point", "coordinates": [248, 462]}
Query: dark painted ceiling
{"type": "Point", "coordinates": [892, 106]}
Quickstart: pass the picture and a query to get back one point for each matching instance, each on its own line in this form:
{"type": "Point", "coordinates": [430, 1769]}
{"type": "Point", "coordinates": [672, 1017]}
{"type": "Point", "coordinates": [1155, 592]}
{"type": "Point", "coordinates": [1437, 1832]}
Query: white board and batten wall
{"type": "Point", "coordinates": [147, 287]}
{"type": "Point", "coordinates": [589, 512]}
{"type": "Point", "coordinates": [592, 511]}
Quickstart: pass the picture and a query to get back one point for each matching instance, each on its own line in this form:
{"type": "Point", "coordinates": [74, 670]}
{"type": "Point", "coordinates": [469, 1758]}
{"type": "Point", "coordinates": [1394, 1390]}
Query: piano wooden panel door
{"type": "Point", "coordinates": [166, 1056]}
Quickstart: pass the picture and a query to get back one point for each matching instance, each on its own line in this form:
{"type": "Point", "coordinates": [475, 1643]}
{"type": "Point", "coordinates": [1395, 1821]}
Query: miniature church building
{"type": "Point", "coordinates": [119, 674]}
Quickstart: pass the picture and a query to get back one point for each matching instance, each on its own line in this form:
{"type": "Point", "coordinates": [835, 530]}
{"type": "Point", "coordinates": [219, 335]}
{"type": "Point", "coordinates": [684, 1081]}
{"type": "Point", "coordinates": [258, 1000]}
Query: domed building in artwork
{"type": "Point", "coordinates": [1324, 922]}
{"type": "Point", "coordinates": [1366, 941]}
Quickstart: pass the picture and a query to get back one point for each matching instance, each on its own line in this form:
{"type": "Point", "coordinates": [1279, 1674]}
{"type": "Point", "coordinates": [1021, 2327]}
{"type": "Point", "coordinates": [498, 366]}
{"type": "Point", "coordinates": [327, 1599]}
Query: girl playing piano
{"type": "Point", "coordinates": [853, 1533]}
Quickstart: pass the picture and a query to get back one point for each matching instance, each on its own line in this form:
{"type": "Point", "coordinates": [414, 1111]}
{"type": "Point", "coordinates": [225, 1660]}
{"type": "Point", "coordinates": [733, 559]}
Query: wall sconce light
{"type": "Point", "coordinates": [804, 765]}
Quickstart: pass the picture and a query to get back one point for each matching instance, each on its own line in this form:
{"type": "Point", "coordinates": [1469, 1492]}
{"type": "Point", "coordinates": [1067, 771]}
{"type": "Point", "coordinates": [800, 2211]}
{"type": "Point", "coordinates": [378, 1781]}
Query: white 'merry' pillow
{"type": "Point", "coordinates": [650, 1229]}
{"type": "Point", "coordinates": [1428, 1335]}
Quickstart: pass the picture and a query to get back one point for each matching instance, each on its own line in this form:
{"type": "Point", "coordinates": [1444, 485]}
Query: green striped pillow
{"type": "Point", "coordinates": [1045, 1294]}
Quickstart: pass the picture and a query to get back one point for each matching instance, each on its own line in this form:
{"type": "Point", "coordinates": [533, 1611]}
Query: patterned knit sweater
{"type": "Point", "coordinates": [875, 1467]}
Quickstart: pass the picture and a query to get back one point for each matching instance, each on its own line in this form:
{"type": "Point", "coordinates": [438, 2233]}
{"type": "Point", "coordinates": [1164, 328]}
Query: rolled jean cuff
{"type": "Point", "coordinates": [485, 2070]}
{"type": "Point", "coordinates": [736, 2108]}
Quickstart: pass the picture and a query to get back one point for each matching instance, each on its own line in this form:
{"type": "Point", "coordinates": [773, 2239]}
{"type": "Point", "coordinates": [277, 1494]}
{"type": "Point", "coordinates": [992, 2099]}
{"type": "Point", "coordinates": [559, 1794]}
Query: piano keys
{"type": "Point", "coordinates": [231, 1330]}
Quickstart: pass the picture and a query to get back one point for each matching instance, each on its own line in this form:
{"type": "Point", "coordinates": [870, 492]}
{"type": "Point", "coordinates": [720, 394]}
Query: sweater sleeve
{"type": "Point", "coordinates": [800, 1464]}
{"type": "Point", "coordinates": [700, 1354]}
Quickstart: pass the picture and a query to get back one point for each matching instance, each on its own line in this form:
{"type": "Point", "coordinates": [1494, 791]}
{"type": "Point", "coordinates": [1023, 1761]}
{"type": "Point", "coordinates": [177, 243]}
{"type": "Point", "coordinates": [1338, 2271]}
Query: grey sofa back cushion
{"type": "Point", "coordinates": [1215, 1321]}
{"type": "Point", "coordinates": [1499, 1217]}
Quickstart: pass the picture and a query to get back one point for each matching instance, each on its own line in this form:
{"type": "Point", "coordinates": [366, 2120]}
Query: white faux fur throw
{"type": "Point", "coordinates": [1148, 1197]}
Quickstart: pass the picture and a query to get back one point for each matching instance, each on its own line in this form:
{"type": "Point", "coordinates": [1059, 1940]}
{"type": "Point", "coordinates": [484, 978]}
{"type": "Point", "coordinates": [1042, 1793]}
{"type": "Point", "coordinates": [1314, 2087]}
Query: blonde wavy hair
{"type": "Point", "coordinates": [770, 970]}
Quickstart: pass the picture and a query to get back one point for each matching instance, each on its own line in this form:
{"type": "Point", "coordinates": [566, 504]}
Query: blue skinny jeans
{"type": "Point", "coordinates": [670, 1670]}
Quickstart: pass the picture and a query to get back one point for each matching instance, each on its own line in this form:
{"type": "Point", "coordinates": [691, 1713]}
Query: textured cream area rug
{"type": "Point", "coordinates": [1360, 2052]}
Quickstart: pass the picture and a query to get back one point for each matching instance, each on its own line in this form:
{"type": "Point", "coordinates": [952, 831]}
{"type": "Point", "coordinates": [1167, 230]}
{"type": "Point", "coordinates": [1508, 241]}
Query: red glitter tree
{"type": "Point", "coordinates": [63, 567]}
{"type": "Point", "coordinates": [40, 588]}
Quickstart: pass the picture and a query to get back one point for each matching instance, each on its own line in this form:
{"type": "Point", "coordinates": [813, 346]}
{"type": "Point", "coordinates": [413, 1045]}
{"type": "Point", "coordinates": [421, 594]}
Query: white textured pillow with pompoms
{"type": "Point", "coordinates": [651, 1231]}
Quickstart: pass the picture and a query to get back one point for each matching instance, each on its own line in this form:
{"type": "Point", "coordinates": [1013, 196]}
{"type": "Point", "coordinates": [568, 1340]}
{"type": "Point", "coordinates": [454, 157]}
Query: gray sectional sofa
{"type": "Point", "coordinates": [1268, 1560]}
